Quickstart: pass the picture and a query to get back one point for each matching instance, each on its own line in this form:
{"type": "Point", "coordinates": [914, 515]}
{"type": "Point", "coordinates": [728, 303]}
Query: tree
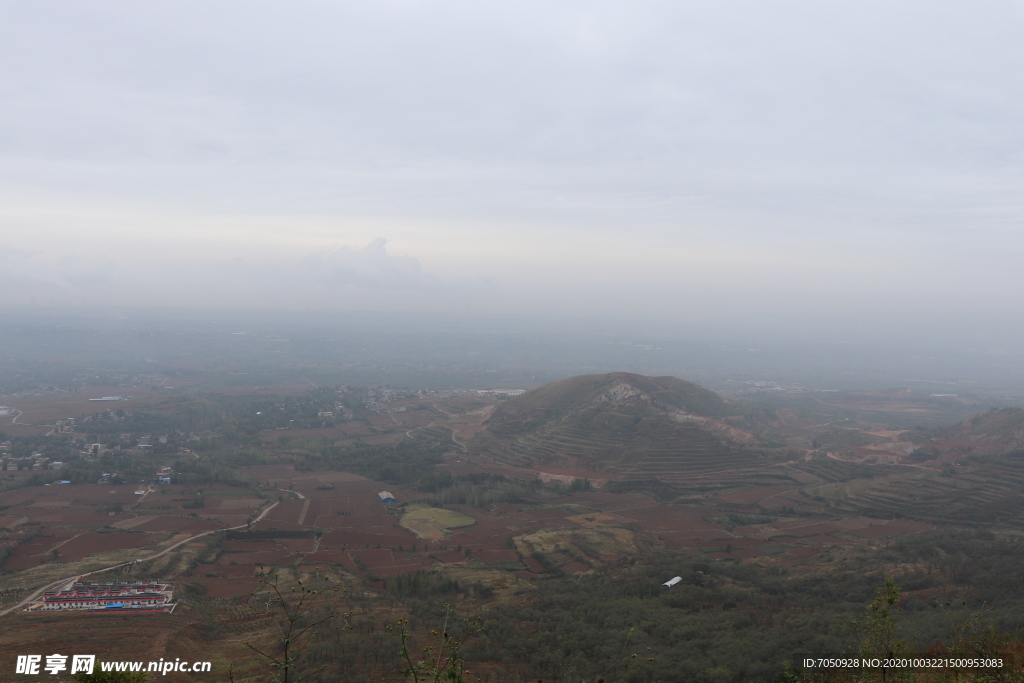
{"type": "Point", "coordinates": [299, 610]}
{"type": "Point", "coordinates": [881, 639]}
{"type": "Point", "coordinates": [442, 662]}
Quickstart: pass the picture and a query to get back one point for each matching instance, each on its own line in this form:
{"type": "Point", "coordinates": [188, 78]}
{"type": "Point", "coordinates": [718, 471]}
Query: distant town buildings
{"type": "Point", "coordinates": [501, 393]}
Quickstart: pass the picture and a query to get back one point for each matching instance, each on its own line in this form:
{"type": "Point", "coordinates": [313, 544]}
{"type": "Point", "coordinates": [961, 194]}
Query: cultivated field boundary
{"type": "Point", "coordinates": [70, 580]}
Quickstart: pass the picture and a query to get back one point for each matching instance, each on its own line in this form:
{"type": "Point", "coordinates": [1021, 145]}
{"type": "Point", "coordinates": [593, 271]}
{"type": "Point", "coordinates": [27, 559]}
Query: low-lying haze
{"type": "Point", "coordinates": [810, 169]}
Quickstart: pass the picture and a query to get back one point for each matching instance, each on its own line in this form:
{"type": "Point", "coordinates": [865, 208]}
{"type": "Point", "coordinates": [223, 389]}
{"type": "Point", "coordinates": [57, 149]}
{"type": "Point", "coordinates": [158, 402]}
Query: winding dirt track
{"type": "Point", "coordinates": [72, 579]}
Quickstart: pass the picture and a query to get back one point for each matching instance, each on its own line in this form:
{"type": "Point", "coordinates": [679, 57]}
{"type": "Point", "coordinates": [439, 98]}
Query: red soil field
{"type": "Point", "coordinates": [908, 526]}
{"type": "Point", "coordinates": [19, 562]}
{"type": "Point", "coordinates": [382, 439]}
{"type": "Point", "coordinates": [880, 531]}
{"type": "Point", "coordinates": [59, 406]}
{"type": "Point", "coordinates": [351, 566]}
{"type": "Point", "coordinates": [325, 557]}
{"type": "Point", "coordinates": [352, 540]}
{"type": "Point", "coordinates": [16, 496]}
{"type": "Point", "coordinates": [359, 428]}
{"type": "Point", "coordinates": [224, 570]}
{"type": "Point", "coordinates": [533, 564]}
{"type": "Point", "coordinates": [574, 567]}
{"type": "Point", "coordinates": [451, 556]}
{"type": "Point", "coordinates": [265, 558]}
{"type": "Point", "coordinates": [381, 421]}
{"type": "Point", "coordinates": [228, 588]}
{"type": "Point", "coordinates": [255, 546]}
{"type": "Point", "coordinates": [720, 556]}
{"type": "Point", "coordinates": [168, 523]}
{"type": "Point", "coordinates": [18, 429]}
{"type": "Point", "coordinates": [701, 542]}
{"type": "Point", "coordinates": [286, 511]}
{"type": "Point", "coordinates": [90, 543]}
{"type": "Point", "coordinates": [678, 525]}
{"type": "Point", "coordinates": [806, 530]}
{"type": "Point", "coordinates": [402, 567]}
{"type": "Point", "coordinates": [497, 556]}
{"type": "Point", "coordinates": [374, 557]}
{"type": "Point", "coordinates": [802, 552]}
{"type": "Point", "coordinates": [855, 523]}
{"type": "Point", "coordinates": [826, 540]}
{"type": "Point", "coordinates": [774, 502]}
{"type": "Point", "coordinates": [265, 525]}
{"type": "Point", "coordinates": [297, 545]}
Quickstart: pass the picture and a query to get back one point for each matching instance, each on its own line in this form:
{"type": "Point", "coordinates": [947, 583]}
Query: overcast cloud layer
{"type": "Point", "coordinates": [846, 165]}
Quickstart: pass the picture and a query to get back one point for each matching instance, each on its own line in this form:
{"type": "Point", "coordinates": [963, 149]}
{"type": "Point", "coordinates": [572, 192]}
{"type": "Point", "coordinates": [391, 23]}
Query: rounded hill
{"type": "Point", "coordinates": [622, 423]}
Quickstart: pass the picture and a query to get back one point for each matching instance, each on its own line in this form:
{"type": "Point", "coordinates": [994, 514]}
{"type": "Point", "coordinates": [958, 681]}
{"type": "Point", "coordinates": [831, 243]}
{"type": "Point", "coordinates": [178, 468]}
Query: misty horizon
{"type": "Point", "coordinates": [851, 170]}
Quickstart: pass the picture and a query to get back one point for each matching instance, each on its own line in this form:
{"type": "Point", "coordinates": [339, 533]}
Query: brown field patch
{"type": "Point", "coordinates": [286, 511]}
{"type": "Point", "coordinates": [298, 545]}
{"type": "Point", "coordinates": [270, 525]}
{"type": "Point", "coordinates": [254, 546]}
{"type": "Point", "coordinates": [359, 428]}
{"type": "Point", "coordinates": [383, 439]}
{"type": "Point", "coordinates": [800, 531]}
{"type": "Point", "coordinates": [451, 556]}
{"type": "Point", "coordinates": [751, 495]}
{"type": "Point", "coordinates": [373, 558]}
{"type": "Point", "coordinates": [239, 503]}
{"type": "Point", "coordinates": [228, 587]}
{"type": "Point", "coordinates": [497, 556]}
{"type": "Point", "coordinates": [877, 531]}
{"type": "Point", "coordinates": [825, 540]}
{"type": "Point", "coordinates": [54, 407]}
{"type": "Point", "coordinates": [325, 557]}
{"type": "Point", "coordinates": [90, 543]}
{"type": "Point", "coordinates": [19, 562]}
{"type": "Point", "coordinates": [241, 570]}
{"type": "Point", "coordinates": [533, 564]}
{"type": "Point", "coordinates": [168, 523]}
{"type": "Point", "coordinates": [132, 522]}
{"type": "Point", "coordinates": [338, 540]}
{"type": "Point", "coordinates": [257, 558]}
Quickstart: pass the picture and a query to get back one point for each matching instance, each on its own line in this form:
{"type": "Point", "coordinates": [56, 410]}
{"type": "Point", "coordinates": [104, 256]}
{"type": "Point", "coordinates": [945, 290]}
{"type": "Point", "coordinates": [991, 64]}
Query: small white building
{"type": "Point", "coordinates": [673, 581]}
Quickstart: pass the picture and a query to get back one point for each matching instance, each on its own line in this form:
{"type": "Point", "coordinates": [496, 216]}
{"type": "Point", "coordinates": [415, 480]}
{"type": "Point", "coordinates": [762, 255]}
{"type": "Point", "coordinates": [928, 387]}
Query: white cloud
{"type": "Point", "coordinates": [732, 158]}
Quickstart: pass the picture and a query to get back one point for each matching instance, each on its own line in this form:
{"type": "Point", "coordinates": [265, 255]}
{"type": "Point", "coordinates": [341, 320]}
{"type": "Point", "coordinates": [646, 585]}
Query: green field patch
{"type": "Point", "coordinates": [433, 523]}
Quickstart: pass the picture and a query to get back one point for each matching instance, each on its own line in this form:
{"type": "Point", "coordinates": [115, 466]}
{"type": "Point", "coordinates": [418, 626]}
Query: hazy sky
{"type": "Point", "coordinates": [804, 164]}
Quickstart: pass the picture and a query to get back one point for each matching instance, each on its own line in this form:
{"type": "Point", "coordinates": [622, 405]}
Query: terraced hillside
{"type": "Point", "coordinates": [994, 432]}
{"type": "Point", "coordinates": [972, 471]}
{"type": "Point", "coordinates": [625, 424]}
{"type": "Point", "coordinates": [984, 493]}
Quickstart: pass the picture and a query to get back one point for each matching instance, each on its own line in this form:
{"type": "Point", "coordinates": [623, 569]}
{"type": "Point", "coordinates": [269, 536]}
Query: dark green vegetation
{"type": "Point", "coordinates": [724, 622]}
{"type": "Point", "coordinates": [628, 424]}
{"type": "Point", "coordinates": [755, 592]}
